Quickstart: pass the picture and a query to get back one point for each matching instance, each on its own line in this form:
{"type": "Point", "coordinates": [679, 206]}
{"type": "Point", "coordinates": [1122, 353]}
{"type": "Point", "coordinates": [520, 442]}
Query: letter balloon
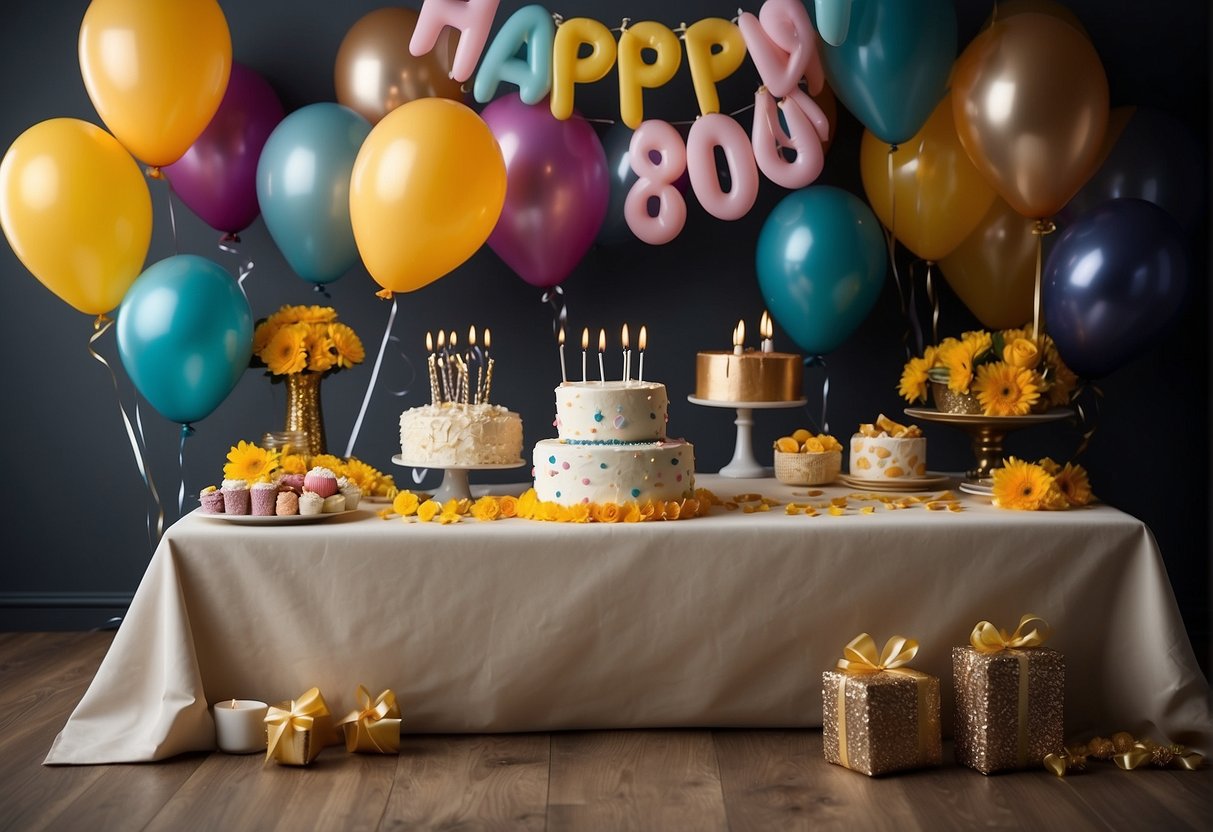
{"type": "Point", "coordinates": [530, 27]}
{"type": "Point", "coordinates": [656, 180]}
{"type": "Point", "coordinates": [715, 50]}
{"type": "Point", "coordinates": [635, 74]}
{"type": "Point", "coordinates": [473, 19]}
{"type": "Point", "coordinates": [569, 69]}
{"type": "Point", "coordinates": [709, 132]}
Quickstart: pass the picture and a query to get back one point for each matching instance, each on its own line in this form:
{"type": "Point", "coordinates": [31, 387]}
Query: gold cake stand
{"type": "Point", "coordinates": [743, 464]}
{"type": "Point", "coordinates": [455, 478]}
{"type": "Point", "coordinates": [987, 434]}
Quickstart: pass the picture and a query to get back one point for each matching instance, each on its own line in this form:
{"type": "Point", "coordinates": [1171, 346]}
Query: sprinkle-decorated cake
{"type": "Point", "coordinates": [751, 376]}
{"type": "Point", "coordinates": [612, 447]}
{"type": "Point", "coordinates": [887, 450]}
{"type": "Point", "coordinates": [453, 434]}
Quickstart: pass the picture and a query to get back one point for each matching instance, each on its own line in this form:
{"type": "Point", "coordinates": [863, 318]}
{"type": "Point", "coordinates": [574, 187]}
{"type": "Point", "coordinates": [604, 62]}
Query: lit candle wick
{"type": "Point", "coordinates": [644, 338]}
{"type": "Point", "coordinates": [564, 378]}
{"type": "Point", "coordinates": [585, 345]}
{"type": "Point", "coordinates": [601, 350]}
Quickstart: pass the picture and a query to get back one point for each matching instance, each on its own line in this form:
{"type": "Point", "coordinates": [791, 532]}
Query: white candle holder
{"type": "Point", "coordinates": [240, 725]}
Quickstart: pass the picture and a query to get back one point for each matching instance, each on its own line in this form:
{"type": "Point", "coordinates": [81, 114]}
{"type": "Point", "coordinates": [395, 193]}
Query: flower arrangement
{"type": "Point", "coordinates": [1009, 372]}
{"type": "Point", "coordinates": [305, 339]}
{"type": "Point", "coordinates": [1040, 486]}
{"type": "Point", "coordinates": [415, 508]}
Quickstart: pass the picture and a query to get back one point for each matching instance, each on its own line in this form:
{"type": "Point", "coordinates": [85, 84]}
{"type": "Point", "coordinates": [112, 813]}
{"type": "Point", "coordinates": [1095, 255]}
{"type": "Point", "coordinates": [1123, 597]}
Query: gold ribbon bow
{"type": "Point", "coordinates": [1146, 751]}
{"type": "Point", "coordinates": [1032, 631]}
{"type": "Point", "coordinates": [294, 729]}
{"type": "Point", "coordinates": [373, 726]}
{"type": "Point", "coordinates": [860, 657]}
{"type": "Point", "coordinates": [1067, 761]}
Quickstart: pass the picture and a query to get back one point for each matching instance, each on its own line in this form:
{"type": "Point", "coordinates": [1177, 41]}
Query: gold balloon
{"type": "Point", "coordinates": [375, 72]}
{"type": "Point", "coordinates": [1009, 8]}
{"type": "Point", "coordinates": [1030, 98]}
{"type": "Point", "coordinates": [993, 270]}
{"type": "Point", "coordinates": [937, 197]}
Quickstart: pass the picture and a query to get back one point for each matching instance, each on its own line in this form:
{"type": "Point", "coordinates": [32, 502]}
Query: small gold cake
{"type": "Point", "coordinates": [752, 376]}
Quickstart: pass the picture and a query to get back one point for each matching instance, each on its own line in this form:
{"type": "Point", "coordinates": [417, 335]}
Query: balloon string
{"type": "Point", "coordinates": [820, 361]}
{"type": "Point", "coordinates": [933, 299]}
{"type": "Point", "coordinates": [1041, 228]}
{"type": "Point", "coordinates": [370, 388]}
{"type": "Point", "coordinates": [412, 370]}
{"type": "Point", "coordinates": [228, 244]}
{"type": "Point", "coordinates": [187, 430]}
{"type": "Point", "coordinates": [1088, 421]}
{"type": "Point", "coordinates": [100, 326]}
{"type": "Point", "coordinates": [555, 298]}
{"type": "Point", "coordinates": [890, 239]}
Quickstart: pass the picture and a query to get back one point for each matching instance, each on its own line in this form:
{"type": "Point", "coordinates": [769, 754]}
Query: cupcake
{"type": "Point", "coordinates": [264, 498]}
{"type": "Point", "coordinates": [292, 481]}
{"type": "Point", "coordinates": [333, 504]}
{"type": "Point", "coordinates": [236, 497]}
{"type": "Point", "coordinates": [212, 500]}
{"type": "Point", "coordinates": [310, 503]}
{"type": "Point", "coordinates": [287, 504]}
{"type": "Point", "coordinates": [322, 481]}
{"type": "Point", "coordinates": [351, 492]}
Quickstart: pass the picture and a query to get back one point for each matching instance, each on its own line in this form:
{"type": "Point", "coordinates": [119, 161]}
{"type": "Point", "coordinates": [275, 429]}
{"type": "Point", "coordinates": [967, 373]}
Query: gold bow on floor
{"type": "Point", "coordinates": [294, 729]}
{"type": "Point", "coordinates": [374, 726]}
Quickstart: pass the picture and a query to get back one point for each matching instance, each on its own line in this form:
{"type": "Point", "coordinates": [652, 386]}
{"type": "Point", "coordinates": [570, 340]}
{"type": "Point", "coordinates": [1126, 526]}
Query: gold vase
{"type": "Point", "coordinates": [303, 414]}
{"type": "Point", "coordinates": [949, 401]}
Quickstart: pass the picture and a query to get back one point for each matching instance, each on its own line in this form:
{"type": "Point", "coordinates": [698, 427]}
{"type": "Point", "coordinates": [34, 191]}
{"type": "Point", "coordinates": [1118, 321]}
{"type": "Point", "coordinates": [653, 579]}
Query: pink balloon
{"type": "Point", "coordinates": [217, 176]}
{"type": "Point", "coordinates": [557, 189]}
{"type": "Point", "coordinates": [708, 133]}
{"type": "Point", "coordinates": [657, 179]}
{"type": "Point", "coordinates": [783, 45]}
{"type": "Point", "coordinates": [473, 19]}
{"type": "Point", "coordinates": [808, 128]}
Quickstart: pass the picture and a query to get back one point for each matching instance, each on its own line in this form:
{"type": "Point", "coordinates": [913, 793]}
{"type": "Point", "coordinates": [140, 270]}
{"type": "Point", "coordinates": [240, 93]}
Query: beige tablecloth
{"type": "Point", "coordinates": [726, 620]}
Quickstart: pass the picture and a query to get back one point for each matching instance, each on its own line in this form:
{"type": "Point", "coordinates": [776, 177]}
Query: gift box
{"type": "Point", "coordinates": [374, 727]}
{"type": "Point", "coordinates": [298, 729]}
{"type": "Point", "coordinates": [1009, 697]}
{"type": "Point", "coordinates": [878, 715]}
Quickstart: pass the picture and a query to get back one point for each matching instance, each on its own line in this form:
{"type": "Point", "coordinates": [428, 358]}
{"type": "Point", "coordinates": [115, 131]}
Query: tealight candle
{"type": "Point", "coordinates": [240, 725]}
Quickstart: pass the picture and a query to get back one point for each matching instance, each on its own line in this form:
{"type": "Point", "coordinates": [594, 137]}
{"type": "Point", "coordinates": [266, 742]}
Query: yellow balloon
{"type": "Point", "coordinates": [427, 188]}
{"type": "Point", "coordinates": [75, 208]}
{"type": "Point", "coordinates": [635, 74]}
{"type": "Point", "coordinates": [938, 196]}
{"type": "Point", "coordinates": [993, 271]}
{"type": "Point", "coordinates": [708, 67]}
{"type": "Point", "coordinates": [569, 70]}
{"type": "Point", "coordinates": [155, 71]}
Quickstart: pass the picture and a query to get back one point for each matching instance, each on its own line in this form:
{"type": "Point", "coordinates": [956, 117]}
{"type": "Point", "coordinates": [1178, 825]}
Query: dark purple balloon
{"type": "Point", "coordinates": [1113, 284]}
{"type": "Point", "coordinates": [556, 189]}
{"type": "Point", "coordinates": [217, 176]}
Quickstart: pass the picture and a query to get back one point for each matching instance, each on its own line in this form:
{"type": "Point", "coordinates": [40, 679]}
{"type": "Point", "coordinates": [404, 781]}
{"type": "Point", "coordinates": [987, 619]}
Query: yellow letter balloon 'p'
{"type": "Point", "coordinates": [568, 70]}
{"type": "Point", "coordinates": [635, 74]}
{"type": "Point", "coordinates": [708, 68]}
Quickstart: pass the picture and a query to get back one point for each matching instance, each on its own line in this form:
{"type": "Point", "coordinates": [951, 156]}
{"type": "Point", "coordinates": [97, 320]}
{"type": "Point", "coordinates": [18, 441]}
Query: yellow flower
{"type": "Point", "coordinates": [1051, 467]}
{"type": "Point", "coordinates": [1062, 380]}
{"type": "Point", "coordinates": [320, 353]}
{"type": "Point", "coordinates": [286, 352]}
{"type": "Point", "coordinates": [348, 346]}
{"type": "Point", "coordinates": [578, 513]}
{"type": "Point", "coordinates": [263, 333]}
{"type": "Point", "coordinates": [1074, 485]}
{"type": "Point", "coordinates": [631, 513]}
{"type": "Point", "coordinates": [334, 463]}
{"type": "Point", "coordinates": [450, 513]}
{"type": "Point", "coordinates": [690, 507]}
{"type": "Point", "coordinates": [486, 508]}
{"type": "Point", "coordinates": [814, 445]}
{"type": "Point", "coordinates": [650, 510]}
{"type": "Point", "coordinates": [959, 358]}
{"type": "Point", "coordinates": [246, 461]}
{"type": "Point", "coordinates": [1021, 486]}
{"type": "Point", "coordinates": [362, 475]}
{"type": "Point", "coordinates": [607, 513]}
{"type": "Point", "coordinates": [406, 503]}
{"type": "Point", "coordinates": [294, 464]}
{"type": "Point", "coordinates": [527, 504]}
{"type": "Point", "coordinates": [427, 510]}
{"type": "Point", "coordinates": [1022, 353]}
{"type": "Point", "coordinates": [830, 443]}
{"type": "Point", "coordinates": [1004, 390]}
{"type": "Point", "coordinates": [913, 385]}
{"type": "Point", "coordinates": [551, 512]}
{"type": "Point", "coordinates": [673, 510]}
{"type": "Point", "coordinates": [508, 505]}
{"type": "Point", "coordinates": [979, 342]}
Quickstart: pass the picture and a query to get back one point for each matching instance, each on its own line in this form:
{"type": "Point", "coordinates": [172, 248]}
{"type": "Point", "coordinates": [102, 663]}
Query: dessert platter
{"type": "Point", "coordinates": [887, 456]}
{"type": "Point", "coordinates": [273, 499]}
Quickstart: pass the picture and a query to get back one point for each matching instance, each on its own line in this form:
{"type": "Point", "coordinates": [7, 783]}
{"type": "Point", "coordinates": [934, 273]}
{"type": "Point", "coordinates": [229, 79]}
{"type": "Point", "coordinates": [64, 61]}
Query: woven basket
{"type": "Point", "coordinates": [808, 468]}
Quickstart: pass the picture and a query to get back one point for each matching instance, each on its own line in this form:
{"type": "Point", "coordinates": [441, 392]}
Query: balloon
{"type": "Point", "coordinates": [821, 263]}
{"type": "Point", "coordinates": [636, 74]}
{"type": "Point", "coordinates": [781, 43]}
{"type": "Point", "coordinates": [938, 195]}
{"type": "Point", "coordinates": [709, 67]}
{"type": "Point", "coordinates": [993, 270]}
{"type": "Point", "coordinates": [803, 128]}
{"type": "Point", "coordinates": [616, 144]}
{"type": "Point", "coordinates": [375, 72]}
{"type": "Point", "coordinates": [833, 20]}
{"type": "Point", "coordinates": [1030, 100]}
{"type": "Point", "coordinates": [531, 27]}
{"type": "Point", "coordinates": [570, 69]}
{"type": "Point", "coordinates": [303, 186]}
{"type": "Point", "coordinates": [556, 189]}
{"type": "Point", "coordinates": [185, 336]}
{"type": "Point", "coordinates": [1114, 283]}
{"type": "Point", "coordinates": [1149, 155]}
{"type": "Point", "coordinates": [893, 67]}
{"type": "Point", "coordinates": [217, 176]}
{"type": "Point", "coordinates": [75, 208]}
{"type": "Point", "coordinates": [472, 18]}
{"type": "Point", "coordinates": [1006, 8]}
{"type": "Point", "coordinates": [155, 71]}
{"type": "Point", "coordinates": [426, 190]}
{"type": "Point", "coordinates": [720, 131]}
{"type": "Point", "coordinates": [659, 159]}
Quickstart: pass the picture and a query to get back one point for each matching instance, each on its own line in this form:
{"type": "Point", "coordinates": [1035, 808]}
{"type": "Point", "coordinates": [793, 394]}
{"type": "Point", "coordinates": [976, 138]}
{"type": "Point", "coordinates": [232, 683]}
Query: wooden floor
{"type": "Point", "coordinates": [610, 780]}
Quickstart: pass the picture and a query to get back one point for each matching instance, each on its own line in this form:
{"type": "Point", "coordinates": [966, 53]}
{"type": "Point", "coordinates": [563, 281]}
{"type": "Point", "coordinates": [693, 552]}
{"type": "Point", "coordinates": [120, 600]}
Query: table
{"type": "Point", "coordinates": [725, 620]}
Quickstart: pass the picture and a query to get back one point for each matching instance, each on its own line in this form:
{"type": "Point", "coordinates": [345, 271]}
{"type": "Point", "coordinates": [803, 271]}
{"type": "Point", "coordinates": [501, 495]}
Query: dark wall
{"type": "Point", "coordinates": [75, 538]}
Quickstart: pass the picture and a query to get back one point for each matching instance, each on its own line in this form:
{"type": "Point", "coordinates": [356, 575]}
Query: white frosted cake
{"type": "Point", "coordinates": [453, 434]}
{"type": "Point", "coordinates": [612, 447]}
{"type": "Point", "coordinates": [888, 451]}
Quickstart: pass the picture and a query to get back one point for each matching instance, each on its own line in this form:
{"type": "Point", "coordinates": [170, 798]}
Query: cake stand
{"type": "Point", "coordinates": [455, 477]}
{"type": "Point", "coordinates": [743, 464]}
{"type": "Point", "coordinates": [987, 434]}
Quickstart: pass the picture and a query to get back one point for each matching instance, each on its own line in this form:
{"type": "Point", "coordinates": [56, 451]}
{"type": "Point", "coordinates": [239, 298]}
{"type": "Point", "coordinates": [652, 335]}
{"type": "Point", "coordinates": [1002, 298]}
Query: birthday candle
{"type": "Point", "coordinates": [644, 338]}
{"type": "Point", "coordinates": [585, 345]}
{"type": "Point", "coordinates": [601, 350]}
{"type": "Point", "coordinates": [739, 338]}
{"type": "Point", "coordinates": [627, 354]}
{"type": "Point", "coordinates": [564, 378]}
{"type": "Point", "coordinates": [766, 329]}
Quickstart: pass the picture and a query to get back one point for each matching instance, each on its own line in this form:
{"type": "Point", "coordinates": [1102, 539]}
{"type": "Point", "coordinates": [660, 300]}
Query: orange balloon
{"type": "Point", "coordinates": [937, 197]}
{"type": "Point", "coordinates": [1009, 8]}
{"type": "Point", "coordinates": [1030, 98]}
{"type": "Point", "coordinates": [993, 270]}
{"type": "Point", "coordinates": [155, 71]}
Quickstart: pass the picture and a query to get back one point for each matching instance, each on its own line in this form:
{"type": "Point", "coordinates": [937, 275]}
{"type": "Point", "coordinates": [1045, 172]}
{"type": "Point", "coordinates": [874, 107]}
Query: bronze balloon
{"type": "Point", "coordinates": [993, 270]}
{"type": "Point", "coordinates": [1030, 99]}
{"type": "Point", "coordinates": [375, 73]}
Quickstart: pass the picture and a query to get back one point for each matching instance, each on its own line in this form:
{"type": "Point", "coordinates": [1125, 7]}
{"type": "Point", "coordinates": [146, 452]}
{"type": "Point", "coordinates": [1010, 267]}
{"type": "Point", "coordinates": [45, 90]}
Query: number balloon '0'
{"type": "Point", "coordinates": [708, 133]}
{"type": "Point", "coordinates": [808, 130]}
{"type": "Point", "coordinates": [530, 27]}
{"type": "Point", "coordinates": [709, 67]}
{"type": "Point", "coordinates": [568, 69]}
{"type": "Point", "coordinates": [635, 74]}
{"type": "Point", "coordinates": [656, 179]}
{"type": "Point", "coordinates": [473, 19]}
{"type": "Point", "coordinates": [783, 45]}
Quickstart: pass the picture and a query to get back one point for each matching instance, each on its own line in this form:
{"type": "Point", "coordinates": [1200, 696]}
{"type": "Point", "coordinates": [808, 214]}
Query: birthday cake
{"type": "Point", "coordinates": [452, 434]}
{"type": "Point", "coordinates": [741, 375]}
{"type": "Point", "coordinates": [612, 447]}
{"type": "Point", "coordinates": [886, 450]}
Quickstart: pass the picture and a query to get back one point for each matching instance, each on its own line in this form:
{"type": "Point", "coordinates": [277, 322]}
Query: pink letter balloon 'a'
{"type": "Point", "coordinates": [656, 179]}
{"type": "Point", "coordinates": [708, 133]}
{"type": "Point", "coordinates": [783, 45]}
{"type": "Point", "coordinates": [473, 19]}
{"type": "Point", "coordinates": [808, 130]}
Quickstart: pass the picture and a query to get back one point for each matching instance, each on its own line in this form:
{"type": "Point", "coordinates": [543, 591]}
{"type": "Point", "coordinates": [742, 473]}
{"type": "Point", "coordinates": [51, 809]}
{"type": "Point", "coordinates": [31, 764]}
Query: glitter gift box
{"type": "Point", "coordinates": [1009, 698]}
{"type": "Point", "coordinates": [877, 715]}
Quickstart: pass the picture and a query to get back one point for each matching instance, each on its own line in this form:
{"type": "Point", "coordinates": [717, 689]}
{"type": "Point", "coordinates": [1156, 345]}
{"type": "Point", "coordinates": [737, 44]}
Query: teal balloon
{"type": "Point", "coordinates": [185, 336]}
{"type": "Point", "coordinates": [893, 66]}
{"type": "Point", "coordinates": [303, 188]}
{"type": "Point", "coordinates": [821, 265]}
{"type": "Point", "coordinates": [532, 27]}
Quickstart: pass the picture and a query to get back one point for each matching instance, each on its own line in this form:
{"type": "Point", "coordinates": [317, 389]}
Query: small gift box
{"type": "Point", "coordinates": [375, 726]}
{"type": "Point", "coordinates": [297, 730]}
{"type": "Point", "coordinates": [877, 714]}
{"type": "Point", "coordinates": [1009, 697]}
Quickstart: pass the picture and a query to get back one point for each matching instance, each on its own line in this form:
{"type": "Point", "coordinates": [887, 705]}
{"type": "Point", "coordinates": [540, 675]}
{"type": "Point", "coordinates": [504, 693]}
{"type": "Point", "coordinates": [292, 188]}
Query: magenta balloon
{"type": "Point", "coordinates": [557, 189]}
{"type": "Point", "coordinates": [217, 176]}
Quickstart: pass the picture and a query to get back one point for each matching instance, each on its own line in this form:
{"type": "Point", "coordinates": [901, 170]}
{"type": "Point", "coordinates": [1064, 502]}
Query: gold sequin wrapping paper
{"type": "Point", "coordinates": [750, 377]}
{"type": "Point", "coordinates": [986, 727]}
{"type": "Point", "coordinates": [882, 721]}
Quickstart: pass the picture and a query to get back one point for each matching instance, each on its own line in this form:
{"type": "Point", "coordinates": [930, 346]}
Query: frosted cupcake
{"type": "Point", "coordinates": [333, 504]}
{"type": "Point", "coordinates": [292, 481]}
{"type": "Point", "coordinates": [287, 504]}
{"type": "Point", "coordinates": [322, 481]}
{"type": "Point", "coordinates": [212, 500]}
{"type": "Point", "coordinates": [236, 497]}
{"type": "Point", "coordinates": [264, 498]}
{"type": "Point", "coordinates": [351, 492]}
{"type": "Point", "coordinates": [310, 503]}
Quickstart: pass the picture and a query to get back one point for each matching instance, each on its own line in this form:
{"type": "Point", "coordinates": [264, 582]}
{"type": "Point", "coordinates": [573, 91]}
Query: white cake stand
{"type": "Point", "coordinates": [455, 477]}
{"type": "Point", "coordinates": [743, 464]}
